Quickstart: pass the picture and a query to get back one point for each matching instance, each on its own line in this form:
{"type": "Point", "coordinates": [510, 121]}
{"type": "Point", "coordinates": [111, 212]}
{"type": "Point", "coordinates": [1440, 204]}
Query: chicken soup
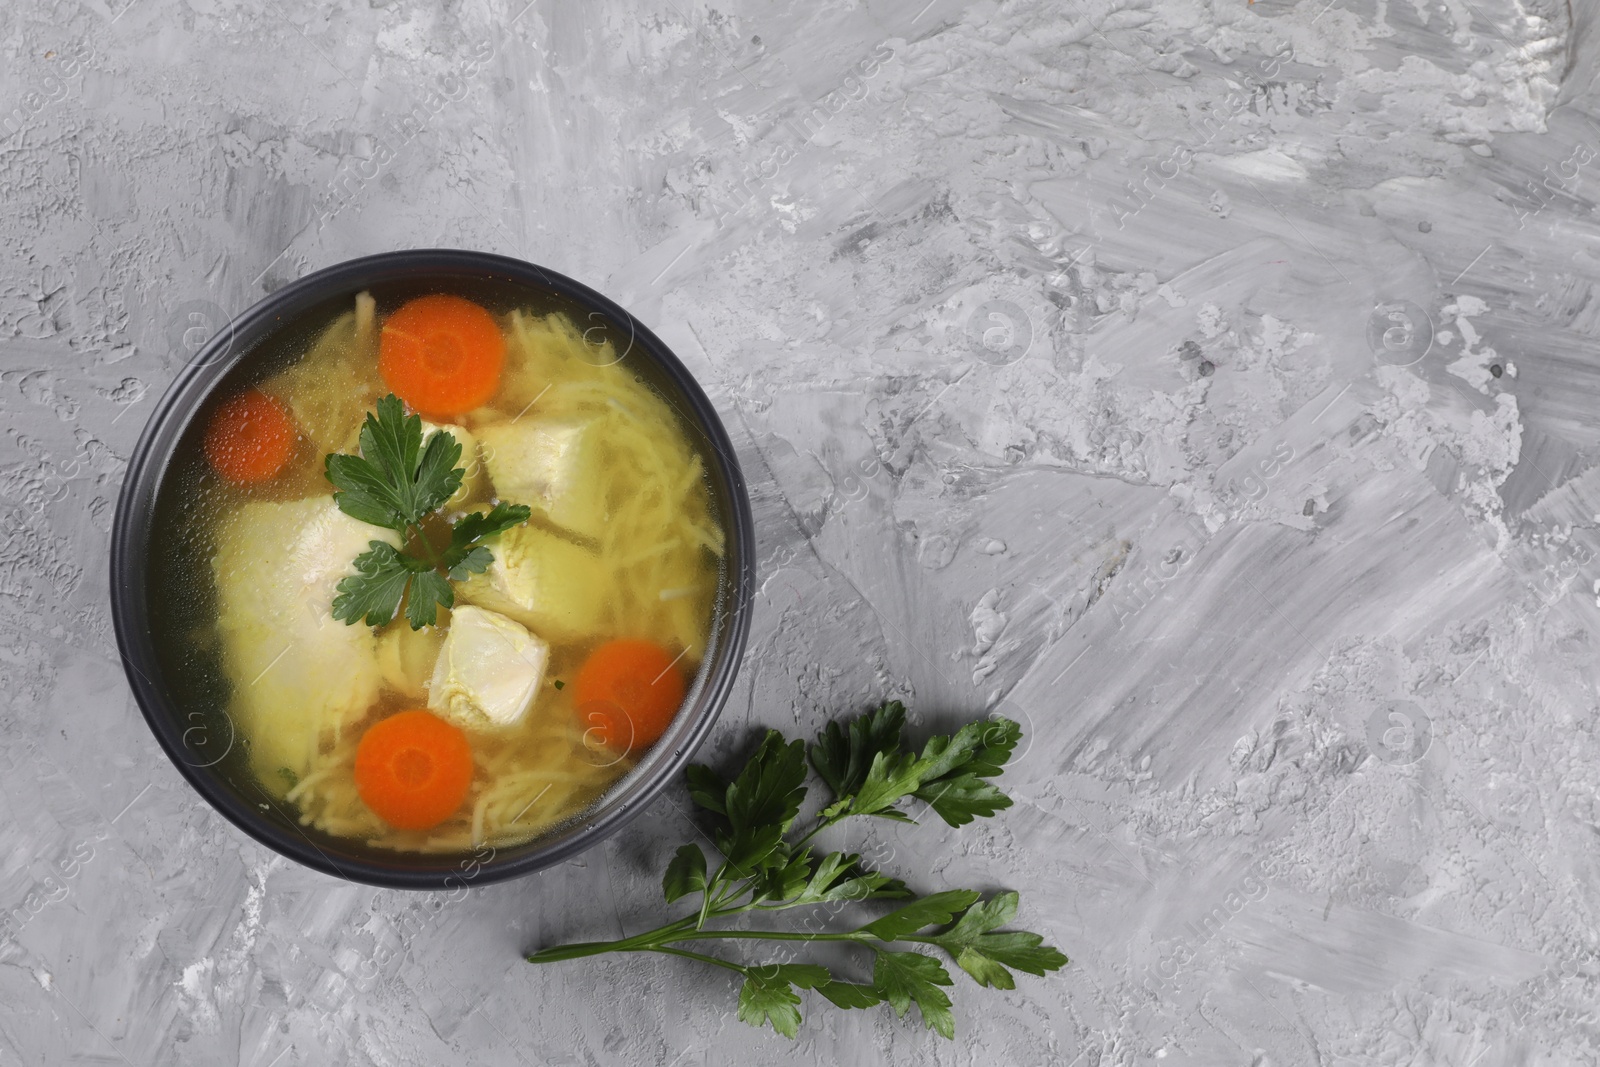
{"type": "Point", "coordinates": [445, 571]}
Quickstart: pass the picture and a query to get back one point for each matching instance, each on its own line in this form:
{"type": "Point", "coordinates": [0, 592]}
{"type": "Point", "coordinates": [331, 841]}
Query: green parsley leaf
{"type": "Point", "coordinates": [842, 756]}
{"type": "Point", "coordinates": [364, 492]}
{"type": "Point", "coordinates": [984, 969]}
{"type": "Point", "coordinates": [391, 440]}
{"type": "Point", "coordinates": [836, 811]}
{"type": "Point", "coordinates": [961, 799]}
{"type": "Point", "coordinates": [889, 780]}
{"type": "Point", "coordinates": [985, 955]}
{"type": "Point", "coordinates": [475, 560]}
{"type": "Point", "coordinates": [474, 526]}
{"type": "Point", "coordinates": [783, 882]}
{"type": "Point", "coordinates": [762, 803]}
{"type": "Point", "coordinates": [768, 994]}
{"type": "Point", "coordinates": [831, 871]}
{"type": "Point", "coordinates": [763, 1000]}
{"type": "Point", "coordinates": [685, 874]}
{"type": "Point", "coordinates": [839, 877]}
{"type": "Point", "coordinates": [979, 748]}
{"type": "Point", "coordinates": [429, 592]}
{"type": "Point", "coordinates": [465, 556]}
{"type": "Point", "coordinates": [934, 910]}
{"type": "Point", "coordinates": [904, 977]}
{"type": "Point", "coordinates": [1020, 949]}
{"type": "Point", "coordinates": [374, 592]}
{"type": "Point", "coordinates": [850, 995]}
{"type": "Point", "coordinates": [396, 480]}
{"type": "Point", "coordinates": [437, 477]}
{"type": "Point", "coordinates": [421, 478]}
{"type": "Point", "coordinates": [954, 770]}
{"type": "Point", "coordinates": [707, 788]}
{"type": "Point", "coordinates": [981, 918]}
{"type": "Point", "coordinates": [949, 775]}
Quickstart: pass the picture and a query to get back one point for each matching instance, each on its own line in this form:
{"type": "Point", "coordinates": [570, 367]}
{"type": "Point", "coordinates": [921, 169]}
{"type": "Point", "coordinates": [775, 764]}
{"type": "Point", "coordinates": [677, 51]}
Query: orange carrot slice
{"type": "Point", "coordinates": [250, 438]}
{"type": "Point", "coordinates": [413, 770]}
{"type": "Point", "coordinates": [628, 692]}
{"type": "Point", "coordinates": [441, 354]}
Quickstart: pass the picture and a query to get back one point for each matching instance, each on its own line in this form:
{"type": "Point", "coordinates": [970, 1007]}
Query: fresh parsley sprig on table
{"type": "Point", "coordinates": [395, 482]}
{"type": "Point", "coordinates": [768, 865]}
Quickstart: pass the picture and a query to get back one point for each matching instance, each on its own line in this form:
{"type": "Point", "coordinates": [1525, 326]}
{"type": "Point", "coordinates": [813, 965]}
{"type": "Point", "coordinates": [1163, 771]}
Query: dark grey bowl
{"type": "Point", "coordinates": [199, 743]}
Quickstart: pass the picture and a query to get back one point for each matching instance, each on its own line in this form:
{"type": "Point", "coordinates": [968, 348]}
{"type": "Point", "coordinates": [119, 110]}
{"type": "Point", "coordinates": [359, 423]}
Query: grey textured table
{"type": "Point", "coordinates": [1210, 386]}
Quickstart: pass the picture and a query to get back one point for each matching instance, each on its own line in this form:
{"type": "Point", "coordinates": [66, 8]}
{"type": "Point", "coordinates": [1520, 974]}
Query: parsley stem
{"type": "Point", "coordinates": [778, 935]}
{"type": "Point", "coordinates": [658, 939]}
{"type": "Point", "coordinates": [420, 537]}
{"type": "Point", "coordinates": [686, 954]}
{"type": "Point", "coordinates": [637, 943]}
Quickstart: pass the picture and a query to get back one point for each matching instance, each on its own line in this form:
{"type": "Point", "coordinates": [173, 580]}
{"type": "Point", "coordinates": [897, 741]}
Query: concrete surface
{"type": "Point", "coordinates": [1210, 385]}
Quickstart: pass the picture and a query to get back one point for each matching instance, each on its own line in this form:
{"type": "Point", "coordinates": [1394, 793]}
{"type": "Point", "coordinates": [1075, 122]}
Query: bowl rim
{"type": "Point", "coordinates": [186, 396]}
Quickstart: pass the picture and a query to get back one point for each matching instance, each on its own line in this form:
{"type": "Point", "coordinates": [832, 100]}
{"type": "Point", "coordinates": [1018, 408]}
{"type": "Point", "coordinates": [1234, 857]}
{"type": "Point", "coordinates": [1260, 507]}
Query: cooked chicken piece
{"type": "Point", "coordinates": [545, 582]}
{"type": "Point", "coordinates": [488, 672]}
{"type": "Point", "coordinates": [551, 465]}
{"type": "Point", "coordinates": [299, 675]}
